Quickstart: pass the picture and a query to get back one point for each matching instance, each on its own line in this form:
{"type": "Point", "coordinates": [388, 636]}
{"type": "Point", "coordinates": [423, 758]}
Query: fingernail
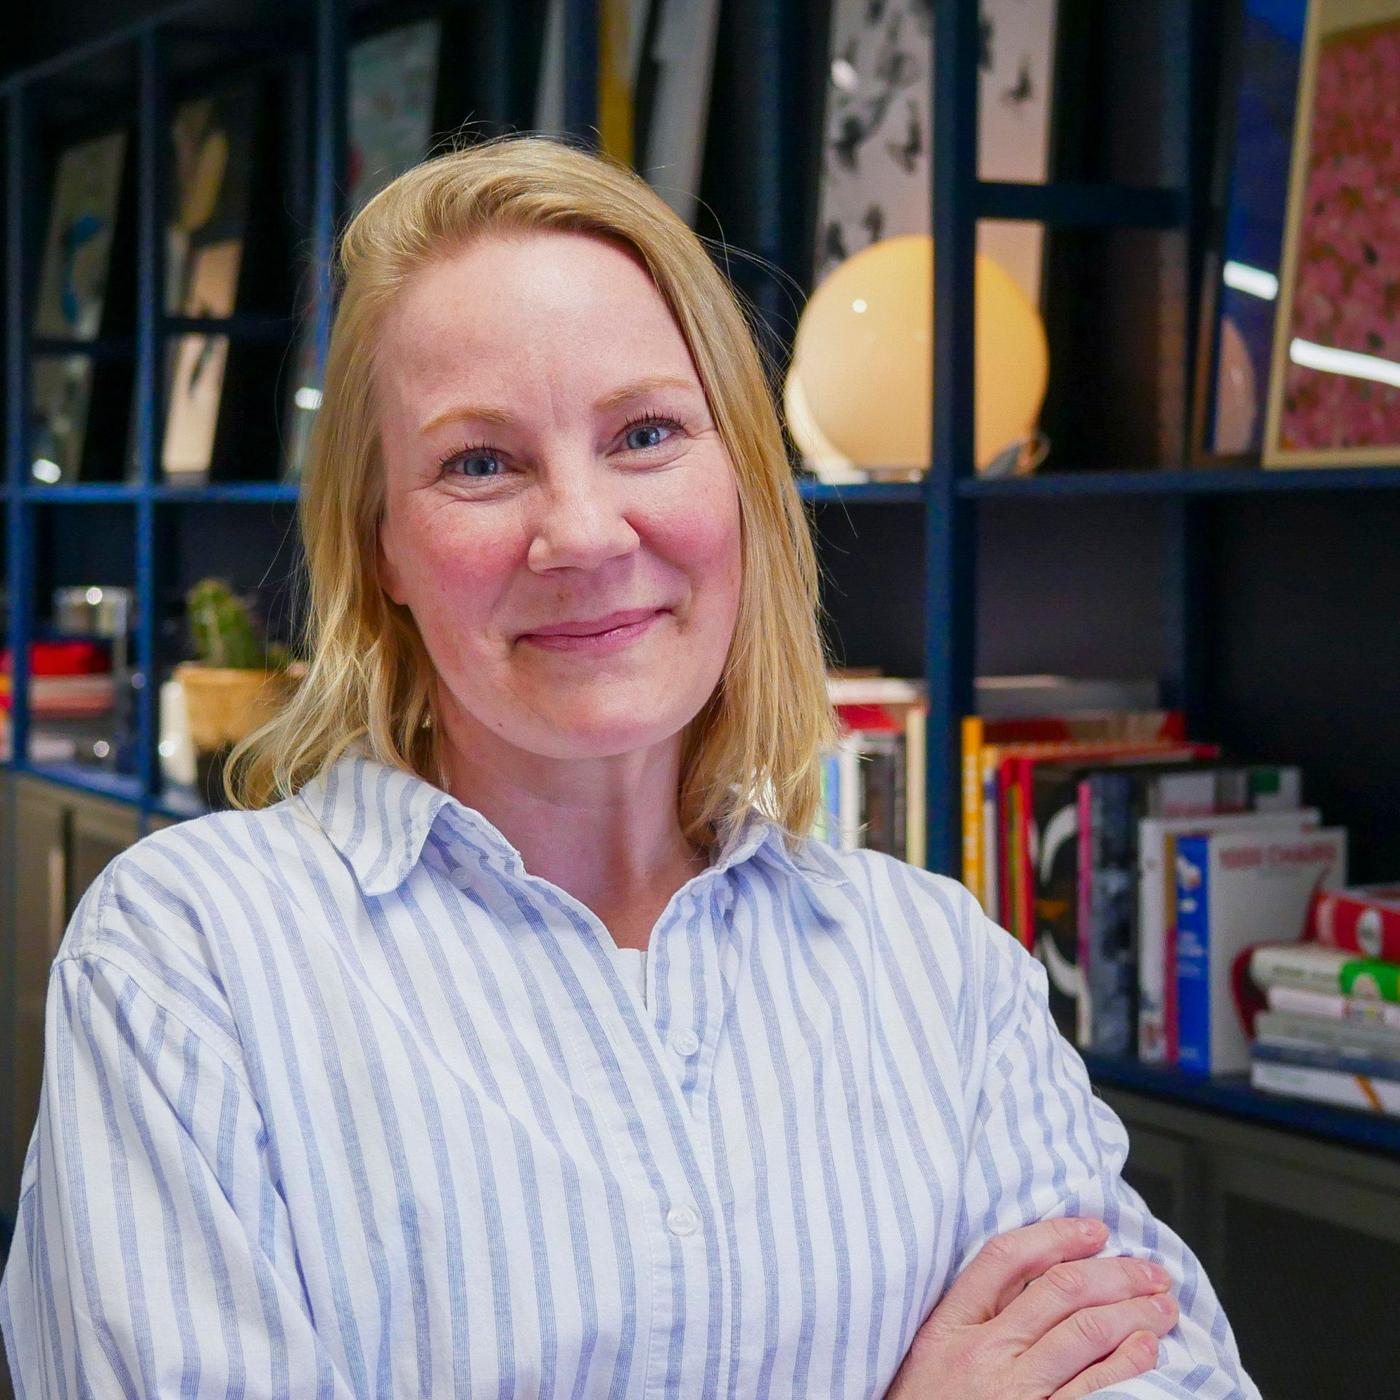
{"type": "Point", "coordinates": [1091, 1229]}
{"type": "Point", "coordinates": [1164, 1304]}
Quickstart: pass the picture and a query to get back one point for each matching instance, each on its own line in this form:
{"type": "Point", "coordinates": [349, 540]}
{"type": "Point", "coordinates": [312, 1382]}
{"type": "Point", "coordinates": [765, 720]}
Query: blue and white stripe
{"type": "Point", "coordinates": [339, 1100]}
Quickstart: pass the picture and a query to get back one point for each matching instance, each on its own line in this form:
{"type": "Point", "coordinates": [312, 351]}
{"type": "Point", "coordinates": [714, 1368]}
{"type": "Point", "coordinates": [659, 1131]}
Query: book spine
{"type": "Point", "coordinates": [1361, 1010]}
{"type": "Point", "coordinates": [972, 803]}
{"type": "Point", "coordinates": [1153, 906]}
{"type": "Point", "coordinates": [851, 802]}
{"type": "Point", "coordinates": [1115, 868]}
{"type": "Point", "coordinates": [1193, 953]}
{"type": "Point", "coordinates": [1084, 885]}
{"type": "Point", "coordinates": [1324, 1033]}
{"type": "Point", "coordinates": [1350, 921]}
{"type": "Point", "coordinates": [1339, 1062]}
{"type": "Point", "coordinates": [1028, 854]}
{"type": "Point", "coordinates": [915, 751]}
{"type": "Point", "coordinates": [1326, 1086]}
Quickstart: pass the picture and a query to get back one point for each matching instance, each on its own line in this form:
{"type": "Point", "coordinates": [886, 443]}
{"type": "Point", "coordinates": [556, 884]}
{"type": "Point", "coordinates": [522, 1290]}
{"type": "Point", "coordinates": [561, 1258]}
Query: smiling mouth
{"type": "Point", "coordinates": [608, 639]}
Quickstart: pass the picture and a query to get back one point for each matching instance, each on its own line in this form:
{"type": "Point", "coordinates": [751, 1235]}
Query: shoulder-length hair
{"type": "Point", "coordinates": [755, 746]}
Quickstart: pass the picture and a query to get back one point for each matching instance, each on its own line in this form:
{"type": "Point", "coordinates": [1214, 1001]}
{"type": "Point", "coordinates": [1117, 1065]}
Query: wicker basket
{"type": "Point", "coordinates": [225, 704]}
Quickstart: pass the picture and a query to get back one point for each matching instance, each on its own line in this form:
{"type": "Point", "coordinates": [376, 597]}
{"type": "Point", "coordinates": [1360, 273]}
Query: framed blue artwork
{"type": "Point", "coordinates": [1241, 273]}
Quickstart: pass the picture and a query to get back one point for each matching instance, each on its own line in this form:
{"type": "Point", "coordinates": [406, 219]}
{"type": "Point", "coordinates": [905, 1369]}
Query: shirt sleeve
{"type": "Point", "coordinates": [1043, 1146]}
{"type": "Point", "coordinates": [152, 1254]}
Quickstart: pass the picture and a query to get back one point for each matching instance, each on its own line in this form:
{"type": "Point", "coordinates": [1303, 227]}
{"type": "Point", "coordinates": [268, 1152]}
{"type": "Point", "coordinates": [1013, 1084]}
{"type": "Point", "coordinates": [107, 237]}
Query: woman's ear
{"type": "Point", "coordinates": [388, 573]}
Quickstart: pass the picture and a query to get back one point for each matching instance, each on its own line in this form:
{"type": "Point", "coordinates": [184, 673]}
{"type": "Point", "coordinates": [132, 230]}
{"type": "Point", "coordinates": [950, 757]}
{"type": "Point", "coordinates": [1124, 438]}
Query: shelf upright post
{"type": "Point", "coordinates": [20, 572]}
{"type": "Point", "coordinates": [581, 70]}
{"type": "Point", "coordinates": [1187, 520]}
{"type": "Point", "coordinates": [20, 577]}
{"type": "Point", "coordinates": [152, 131]}
{"type": "Point", "coordinates": [329, 121]}
{"type": "Point", "coordinates": [949, 524]}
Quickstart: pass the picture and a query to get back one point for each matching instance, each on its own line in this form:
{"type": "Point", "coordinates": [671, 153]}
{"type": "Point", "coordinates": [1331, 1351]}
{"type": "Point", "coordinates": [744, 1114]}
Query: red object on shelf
{"type": "Point", "coordinates": [70, 658]}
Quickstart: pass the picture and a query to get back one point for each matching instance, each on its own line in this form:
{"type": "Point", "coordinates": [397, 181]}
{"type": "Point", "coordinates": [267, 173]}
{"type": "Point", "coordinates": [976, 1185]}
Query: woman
{"type": "Point", "coordinates": [509, 1039]}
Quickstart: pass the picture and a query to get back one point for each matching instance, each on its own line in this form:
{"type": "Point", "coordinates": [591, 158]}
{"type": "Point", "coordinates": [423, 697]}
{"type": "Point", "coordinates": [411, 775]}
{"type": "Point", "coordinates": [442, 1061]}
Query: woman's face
{"type": "Point", "coordinates": [550, 460]}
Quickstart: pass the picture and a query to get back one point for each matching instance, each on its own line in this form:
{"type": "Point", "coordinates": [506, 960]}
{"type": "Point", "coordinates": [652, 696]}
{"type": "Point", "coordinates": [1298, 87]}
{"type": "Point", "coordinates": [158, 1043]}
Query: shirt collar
{"type": "Point", "coordinates": [378, 817]}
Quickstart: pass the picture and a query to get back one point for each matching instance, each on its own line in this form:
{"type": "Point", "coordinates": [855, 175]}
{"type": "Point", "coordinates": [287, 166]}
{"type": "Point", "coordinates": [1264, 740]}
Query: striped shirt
{"type": "Point", "coordinates": [340, 1100]}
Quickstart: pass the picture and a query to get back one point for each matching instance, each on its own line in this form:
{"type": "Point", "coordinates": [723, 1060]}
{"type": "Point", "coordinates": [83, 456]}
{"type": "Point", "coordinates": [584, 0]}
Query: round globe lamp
{"type": "Point", "coordinates": [864, 349]}
{"type": "Point", "coordinates": [818, 454]}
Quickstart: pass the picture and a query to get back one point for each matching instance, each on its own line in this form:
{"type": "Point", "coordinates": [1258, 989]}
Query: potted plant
{"type": "Point", "coordinates": [239, 681]}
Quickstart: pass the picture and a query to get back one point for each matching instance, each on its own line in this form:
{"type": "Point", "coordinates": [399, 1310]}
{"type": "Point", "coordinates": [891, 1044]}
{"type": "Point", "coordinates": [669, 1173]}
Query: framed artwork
{"type": "Point", "coordinates": [72, 295]}
{"type": "Point", "coordinates": [215, 140]}
{"type": "Point", "coordinates": [675, 70]}
{"type": "Point", "coordinates": [198, 362]}
{"type": "Point", "coordinates": [392, 82]}
{"type": "Point", "coordinates": [1241, 275]}
{"type": "Point", "coordinates": [78, 248]}
{"type": "Point", "coordinates": [393, 92]}
{"type": "Point", "coordinates": [875, 172]}
{"type": "Point", "coordinates": [1334, 392]}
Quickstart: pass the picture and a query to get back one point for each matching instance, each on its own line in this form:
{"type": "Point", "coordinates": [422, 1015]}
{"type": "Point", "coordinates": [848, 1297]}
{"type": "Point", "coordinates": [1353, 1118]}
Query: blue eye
{"type": "Point", "coordinates": [475, 455]}
{"type": "Point", "coordinates": [649, 424]}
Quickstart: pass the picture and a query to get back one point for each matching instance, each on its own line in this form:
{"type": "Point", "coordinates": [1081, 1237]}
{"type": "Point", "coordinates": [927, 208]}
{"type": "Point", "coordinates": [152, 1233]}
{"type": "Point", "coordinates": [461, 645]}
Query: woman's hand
{"type": "Point", "coordinates": [1030, 1318]}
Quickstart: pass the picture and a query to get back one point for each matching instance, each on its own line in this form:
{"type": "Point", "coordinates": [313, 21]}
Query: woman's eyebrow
{"type": "Point", "coordinates": [492, 413]}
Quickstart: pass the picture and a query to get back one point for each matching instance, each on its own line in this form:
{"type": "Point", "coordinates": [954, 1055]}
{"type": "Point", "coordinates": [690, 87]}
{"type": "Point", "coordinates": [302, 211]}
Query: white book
{"type": "Point", "coordinates": [1327, 1086]}
{"type": "Point", "coordinates": [1235, 889]}
{"type": "Point", "coordinates": [1363, 1010]}
{"type": "Point", "coordinates": [1157, 838]}
{"type": "Point", "coordinates": [851, 780]}
{"type": "Point", "coordinates": [1294, 1028]}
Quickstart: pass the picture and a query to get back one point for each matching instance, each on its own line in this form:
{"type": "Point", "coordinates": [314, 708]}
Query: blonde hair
{"type": "Point", "coordinates": [756, 743]}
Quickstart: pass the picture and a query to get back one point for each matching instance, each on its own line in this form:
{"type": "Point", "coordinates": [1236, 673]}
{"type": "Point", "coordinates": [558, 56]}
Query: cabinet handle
{"type": "Point", "coordinates": [58, 919]}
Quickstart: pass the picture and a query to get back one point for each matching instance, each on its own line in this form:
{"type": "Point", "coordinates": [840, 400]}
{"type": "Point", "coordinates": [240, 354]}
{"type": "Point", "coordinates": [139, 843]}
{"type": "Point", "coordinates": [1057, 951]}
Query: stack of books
{"type": "Point", "coordinates": [873, 780]}
{"type": "Point", "coordinates": [71, 690]}
{"type": "Point", "coordinates": [1329, 1030]}
{"type": "Point", "coordinates": [1135, 863]}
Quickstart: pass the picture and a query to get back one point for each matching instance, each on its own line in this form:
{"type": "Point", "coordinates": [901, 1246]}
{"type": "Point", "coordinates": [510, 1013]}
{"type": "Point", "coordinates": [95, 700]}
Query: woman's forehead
{"type": "Point", "coordinates": [543, 317]}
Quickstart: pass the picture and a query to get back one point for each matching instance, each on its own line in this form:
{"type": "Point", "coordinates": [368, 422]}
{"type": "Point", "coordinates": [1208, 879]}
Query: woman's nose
{"type": "Point", "coordinates": [579, 522]}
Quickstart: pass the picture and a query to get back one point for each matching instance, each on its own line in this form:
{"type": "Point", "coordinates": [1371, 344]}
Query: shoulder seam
{"type": "Point", "coordinates": [208, 1039]}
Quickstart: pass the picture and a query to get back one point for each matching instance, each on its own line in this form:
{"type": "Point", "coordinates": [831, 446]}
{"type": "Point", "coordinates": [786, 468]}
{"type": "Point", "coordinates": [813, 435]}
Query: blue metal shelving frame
{"type": "Point", "coordinates": [950, 494]}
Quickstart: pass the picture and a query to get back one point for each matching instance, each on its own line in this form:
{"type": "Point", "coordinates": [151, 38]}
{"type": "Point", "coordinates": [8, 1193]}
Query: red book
{"type": "Point", "coordinates": [1361, 919]}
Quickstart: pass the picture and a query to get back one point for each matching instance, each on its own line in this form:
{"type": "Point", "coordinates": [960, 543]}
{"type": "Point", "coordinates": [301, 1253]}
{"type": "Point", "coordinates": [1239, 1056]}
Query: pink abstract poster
{"type": "Point", "coordinates": [1339, 354]}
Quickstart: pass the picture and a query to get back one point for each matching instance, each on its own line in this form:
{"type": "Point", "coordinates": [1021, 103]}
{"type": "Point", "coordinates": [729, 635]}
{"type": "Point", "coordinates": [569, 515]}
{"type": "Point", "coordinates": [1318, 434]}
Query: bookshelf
{"type": "Point", "coordinates": [1182, 545]}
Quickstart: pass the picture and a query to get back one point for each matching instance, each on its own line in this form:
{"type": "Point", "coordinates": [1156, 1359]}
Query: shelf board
{"type": "Point", "coordinates": [249, 491]}
{"type": "Point", "coordinates": [1233, 1094]}
{"type": "Point", "coordinates": [77, 493]}
{"type": "Point", "coordinates": [1177, 482]}
{"type": "Point", "coordinates": [1065, 204]}
{"type": "Point", "coordinates": [862, 492]}
{"type": "Point", "coordinates": [85, 777]}
{"type": "Point", "coordinates": [107, 492]}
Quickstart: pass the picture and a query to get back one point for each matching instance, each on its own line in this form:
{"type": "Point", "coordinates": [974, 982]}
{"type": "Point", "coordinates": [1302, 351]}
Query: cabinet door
{"type": "Point", "coordinates": [98, 832]}
{"type": "Point", "coordinates": [41, 913]}
{"type": "Point", "coordinates": [1306, 1263]}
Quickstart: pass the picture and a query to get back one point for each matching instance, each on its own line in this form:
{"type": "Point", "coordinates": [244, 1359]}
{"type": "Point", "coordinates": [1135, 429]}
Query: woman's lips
{"type": "Point", "coordinates": [611, 639]}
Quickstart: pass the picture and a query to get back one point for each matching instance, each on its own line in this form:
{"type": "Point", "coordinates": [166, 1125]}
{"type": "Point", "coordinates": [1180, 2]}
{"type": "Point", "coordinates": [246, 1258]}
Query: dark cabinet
{"type": "Point", "coordinates": [61, 841]}
{"type": "Point", "coordinates": [1300, 1236]}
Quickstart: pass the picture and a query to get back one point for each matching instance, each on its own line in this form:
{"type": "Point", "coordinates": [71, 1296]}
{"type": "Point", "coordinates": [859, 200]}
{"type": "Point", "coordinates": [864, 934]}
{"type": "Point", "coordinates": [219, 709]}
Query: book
{"type": "Point", "coordinates": [885, 718]}
{"type": "Point", "coordinates": [1232, 888]}
{"type": "Point", "coordinates": [982, 741]}
{"type": "Point", "coordinates": [1366, 1010]}
{"type": "Point", "coordinates": [1156, 921]}
{"type": "Point", "coordinates": [1116, 800]}
{"type": "Point", "coordinates": [1334, 1085]}
{"type": "Point", "coordinates": [1314, 967]}
{"type": "Point", "coordinates": [1047, 877]}
{"type": "Point", "coordinates": [1323, 1033]}
{"type": "Point", "coordinates": [1020, 697]}
{"type": "Point", "coordinates": [1363, 919]}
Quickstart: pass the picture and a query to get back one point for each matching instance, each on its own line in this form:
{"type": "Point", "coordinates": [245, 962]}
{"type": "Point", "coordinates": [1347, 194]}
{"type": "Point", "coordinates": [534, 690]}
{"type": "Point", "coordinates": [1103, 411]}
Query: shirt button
{"type": "Point", "coordinates": [685, 1042]}
{"type": "Point", "coordinates": [682, 1220]}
